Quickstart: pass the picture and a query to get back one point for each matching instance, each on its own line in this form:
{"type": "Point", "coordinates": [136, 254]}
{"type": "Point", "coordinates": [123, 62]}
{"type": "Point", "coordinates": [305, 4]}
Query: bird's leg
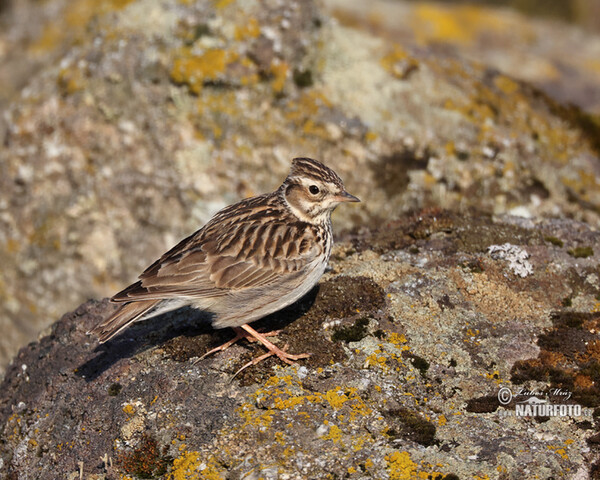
{"type": "Point", "coordinates": [253, 362]}
{"type": "Point", "coordinates": [251, 339]}
{"type": "Point", "coordinates": [239, 334]}
{"type": "Point", "coordinates": [270, 353]}
{"type": "Point", "coordinates": [247, 332]}
{"type": "Point", "coordinates": [274, 350]}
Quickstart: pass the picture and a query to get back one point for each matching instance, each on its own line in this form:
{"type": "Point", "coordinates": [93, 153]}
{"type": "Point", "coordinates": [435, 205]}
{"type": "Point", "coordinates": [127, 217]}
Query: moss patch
{"type": "Point", "coordinates": [554, 241]}
{"type": "Point", "coordinates": [566, 302]}
{"type": "Point", "coordinates": [351, 333]}
{"type": "Point", "coordinates": [147, 460]}
{"type": "Point", "coordinates": [569, 357]}
{"type": "Point", "coordinates": [485, 404]}
{"type": "Point", "coordinates": [303, 78]}
{"type": "Point", "coordinates": [391, 172]}
{"type": "Point", "coordinates": [419, 363]}
{"type": "Point", "coordinates": [581, 252]}
{"type": "Point", "coordinates": [114, 389]}
{"type": "Point", "coordinates": [342, 297]}
{"type": "Point", "coordinates": [409, 425]}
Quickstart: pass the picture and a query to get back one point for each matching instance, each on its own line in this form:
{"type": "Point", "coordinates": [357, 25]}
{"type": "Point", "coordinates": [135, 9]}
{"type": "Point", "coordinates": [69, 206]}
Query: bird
{"type": "Point", "coordinates": [251, 259]}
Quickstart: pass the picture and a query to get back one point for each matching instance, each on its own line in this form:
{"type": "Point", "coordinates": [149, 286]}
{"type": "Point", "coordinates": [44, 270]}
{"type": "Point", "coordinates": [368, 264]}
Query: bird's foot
{"type": "Point", "coordinates": [273, 350]}
{"type": "Point", "coordinates": [252, 335]}
{"type": "Point", "coordinates": [239, 334]}
{"type": "Point", "coordinates": [281, 353]}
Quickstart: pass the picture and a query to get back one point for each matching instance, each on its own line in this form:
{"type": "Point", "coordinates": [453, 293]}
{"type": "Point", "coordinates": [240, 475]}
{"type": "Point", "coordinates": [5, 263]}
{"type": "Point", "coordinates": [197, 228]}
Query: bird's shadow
{"type": "Point", "coordinates": [185, 322]}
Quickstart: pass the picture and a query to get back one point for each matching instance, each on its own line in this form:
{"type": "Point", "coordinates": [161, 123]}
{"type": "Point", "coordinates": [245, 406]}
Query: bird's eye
{"type": "Point", "coordinates": [313, 189]}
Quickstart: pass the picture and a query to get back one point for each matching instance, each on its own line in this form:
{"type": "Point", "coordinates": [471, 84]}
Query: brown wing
{"type": "Point", "coordinates": [232, 253]}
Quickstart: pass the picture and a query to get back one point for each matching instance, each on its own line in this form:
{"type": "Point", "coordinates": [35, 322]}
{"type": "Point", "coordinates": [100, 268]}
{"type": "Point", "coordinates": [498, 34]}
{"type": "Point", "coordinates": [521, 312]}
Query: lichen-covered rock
{"type": "Point", "coordinates": [131, 121]}
{"type": "Point", "coordinates": [556, 56]}
{"type": "Point", "coordinates": [414, 330]}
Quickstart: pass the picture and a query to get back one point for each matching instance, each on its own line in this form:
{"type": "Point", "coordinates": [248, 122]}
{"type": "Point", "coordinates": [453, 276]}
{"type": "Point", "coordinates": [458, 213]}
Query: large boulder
{"type": "Point", "coordinates": [126, 124]}
{"type": "Point", "coordinates": [415, 330]}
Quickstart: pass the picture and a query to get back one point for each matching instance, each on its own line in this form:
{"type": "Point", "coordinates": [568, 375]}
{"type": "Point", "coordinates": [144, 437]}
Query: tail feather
{"type": "Point", "coordinates": [122, 318]}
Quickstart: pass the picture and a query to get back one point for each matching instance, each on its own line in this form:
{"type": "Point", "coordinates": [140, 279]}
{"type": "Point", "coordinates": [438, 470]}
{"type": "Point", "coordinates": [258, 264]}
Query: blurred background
{"type": "Point", "coordinates": [581, 12]}
{"type": "Point", "coordinates": [125, 124]}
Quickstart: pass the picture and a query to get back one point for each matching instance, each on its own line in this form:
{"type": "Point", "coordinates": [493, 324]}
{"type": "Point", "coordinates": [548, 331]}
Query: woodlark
{"type": "Point", "coordinates": [251, 259]}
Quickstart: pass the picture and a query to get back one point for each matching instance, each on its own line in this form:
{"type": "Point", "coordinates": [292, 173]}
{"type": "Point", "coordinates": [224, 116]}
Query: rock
{"type": "Point", "coordinates": [414, 331]}
{"type": "Point", "coordinates": [557, 57]}
{"type": "Point", "coordinates": [127, 124]}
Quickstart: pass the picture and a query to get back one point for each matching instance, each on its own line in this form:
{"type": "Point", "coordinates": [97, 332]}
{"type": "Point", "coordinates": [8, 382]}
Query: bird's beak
{"type": "Point", "coordinates": [346, 197]}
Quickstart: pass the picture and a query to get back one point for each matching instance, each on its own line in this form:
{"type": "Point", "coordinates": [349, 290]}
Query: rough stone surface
{"type": "Point", "coordinates": [560, 58]}
{"type": "Point", "coordinates": [126, 123]}
{"type": "Point", "coordinates": [414, 330]}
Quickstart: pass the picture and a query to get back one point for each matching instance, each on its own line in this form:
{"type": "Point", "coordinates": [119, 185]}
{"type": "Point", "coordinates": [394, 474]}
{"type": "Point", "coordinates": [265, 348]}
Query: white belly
{"type": "Point", "coordinates": [239, 308]}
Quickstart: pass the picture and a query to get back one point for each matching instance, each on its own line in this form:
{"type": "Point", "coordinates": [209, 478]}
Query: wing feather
{"type": "Point", "coordinates": [246, 248]}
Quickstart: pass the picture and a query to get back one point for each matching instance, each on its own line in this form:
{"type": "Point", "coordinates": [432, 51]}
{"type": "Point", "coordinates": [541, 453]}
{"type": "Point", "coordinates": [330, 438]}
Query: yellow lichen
{"type": "Point", "coordinates": [336, 398]}
{"type": "Point", "coordinates": [275, 380]}
{"type": "Point", "coordinates": [288, 452]}
{"type": "Point", "coordinates": [216, 107]}
{"type": "Point", "coordinates": [71, 80]}
{"type": "Point", "coordinates": [254, 417]}
{"type": "Point", "coordinates": [583, 184]}
{"type": "Point", "coordinates": [398, 63]}
{"type": "Point", "coordinates": [334, 434]}
{"type": "Point", "coordinates": [251, 29]}
{"type": "Point", "coordinates": [129, 409]}
{"type": "Point", "coordinates": [559, 450]}
{"type": "Point", "coordinates": [223, 3]}
{"type": "Point", "coordinates": [279, 70]}
{"type": "Point", "coordinates": [459, 25]}
{"type": "Point", "coordinates": [285, 403]}
{"type": "Point", "coordinates": [251, 78]}
{"type": "Point", "coordinates": [185, 467]}
{"type": "Point", "coordinates": [506, 84]}
{"type": "Point", "coordinates": [194, 70]}
{"type": "Point", "coordinates": [397, 339]}
{"type": "Point", "coordinates": [371, 136]}
{"type": "Point", "coordinates": [307, 106]}
{"type": "Point", "coordinates": [280, 438]}
{"type": "Point", "coordinates": [13, 245]}
{"type": "Point", "coordinates": [75, 17]}
{"type": "Point", "coordinates": [190, 465]}
{"type": "Point", "coordinates": [375, 360]}
{"type": "Point", "coordinates": [400, 466]}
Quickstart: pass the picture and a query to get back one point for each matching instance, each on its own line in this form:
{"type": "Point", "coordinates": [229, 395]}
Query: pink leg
{"type": "Point", "coordinates": [282, 354]}
{"type": "Point", "coordinates": [239, 334]}
{"type": "Point", "coordinates": [253, 362]}
{"type": "Point", "coordinates": [247, 332]}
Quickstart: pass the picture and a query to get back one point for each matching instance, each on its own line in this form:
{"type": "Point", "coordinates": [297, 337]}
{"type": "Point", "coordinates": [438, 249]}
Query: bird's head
{"type": "Point", "coordinates": [312, 191]}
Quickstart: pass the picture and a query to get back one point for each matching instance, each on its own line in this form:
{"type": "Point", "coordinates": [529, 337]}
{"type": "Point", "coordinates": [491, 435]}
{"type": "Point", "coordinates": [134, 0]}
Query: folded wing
{"type": "Point", "coordinates": [209, 264]}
